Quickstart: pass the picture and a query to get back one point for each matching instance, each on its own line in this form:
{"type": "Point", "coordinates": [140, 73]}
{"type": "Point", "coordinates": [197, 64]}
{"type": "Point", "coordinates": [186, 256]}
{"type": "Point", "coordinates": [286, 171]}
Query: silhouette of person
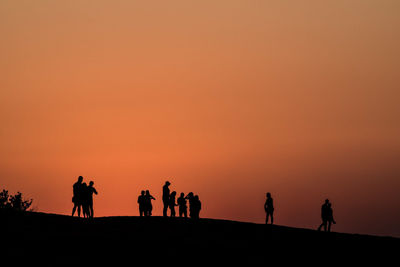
{"type": "Point", "coordinates": [141, 202]}
{"type": "Point", "coordinates": [85, 200]}
{"type": "Point", "coordinates": [77, 196]}
{"type": "Point", "coordinates": [172, 203]}
{"type": "Point", "coordinates": [190, 197]}
{"type": "Point", "coordinates": [325, 215]}
{"type": "Point", "coordinates": [148, 207]}
{"type": "Point", "coordinates": [91, 190]}
{"type": "Point", "coordinates": [269, 208]}
{"type": "Point", "coordinates": [329, 216]}
{"type": "Point", "coordinates": [196, 207]}
{"type": "Point", "coordinates": [182, 205]}
{"type": "Point", "coordinates": [165, 198]}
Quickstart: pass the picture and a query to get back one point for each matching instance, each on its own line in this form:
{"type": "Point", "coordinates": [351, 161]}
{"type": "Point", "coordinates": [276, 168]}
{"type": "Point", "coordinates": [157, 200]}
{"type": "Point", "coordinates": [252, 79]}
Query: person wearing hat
{"type": "Point", "coordinates": [166, 198]}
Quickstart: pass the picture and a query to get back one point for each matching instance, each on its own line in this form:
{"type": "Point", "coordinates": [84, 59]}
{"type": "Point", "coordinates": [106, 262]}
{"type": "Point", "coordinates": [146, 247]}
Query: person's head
{"type": "Point", "coordinates": [80, 179]}
{"type": "Point", "coordinates": [173, 193]}
{"type": "Point", "coordinates": [326, 201]}
{"type": "Point", "coordinates": [196, 197]}
{"type": "Point", "coordinates": [182, 194]}
{"type": "Point", "coordinates": [167, 183]}
{"type": "Point", "coordinates": [268, 195]}
{"type": "Point", "coordinates": [190, 194]}
{"type": "Point", "coordinates": [147, 192]}
{"type": "Point", "coordinates": [84, 184]}
{"type": "Point", "coordinates": [91, 183]}
{"type": "Point", "coordinates": [142, 192]}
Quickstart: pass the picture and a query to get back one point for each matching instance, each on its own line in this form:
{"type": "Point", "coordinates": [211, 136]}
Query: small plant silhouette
{"type": "Point", "coordinates": [14, 202]}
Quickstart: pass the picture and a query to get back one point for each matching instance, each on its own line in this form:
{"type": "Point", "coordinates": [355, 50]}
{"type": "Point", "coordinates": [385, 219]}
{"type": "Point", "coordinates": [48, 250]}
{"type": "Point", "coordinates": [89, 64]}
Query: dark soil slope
{"type": "Point", "coordinates": [56, 240]}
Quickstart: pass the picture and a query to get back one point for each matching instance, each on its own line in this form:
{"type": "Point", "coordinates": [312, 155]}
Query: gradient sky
{"type": "Point", "coordinates": [228, 99]}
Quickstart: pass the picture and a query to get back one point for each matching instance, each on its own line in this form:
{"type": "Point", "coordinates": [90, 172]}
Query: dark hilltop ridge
{"type": "Point", "coordinates": [58, 240]}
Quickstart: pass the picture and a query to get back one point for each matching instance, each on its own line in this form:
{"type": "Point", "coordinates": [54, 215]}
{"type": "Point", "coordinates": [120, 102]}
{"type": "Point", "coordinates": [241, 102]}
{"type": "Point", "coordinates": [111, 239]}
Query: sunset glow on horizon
{"type": "Point", "coordinates": [228, 99]}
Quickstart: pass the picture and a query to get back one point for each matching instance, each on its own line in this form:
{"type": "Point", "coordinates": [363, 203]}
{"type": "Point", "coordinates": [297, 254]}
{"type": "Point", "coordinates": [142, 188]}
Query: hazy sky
{"type": "Point", "coordinates": [228, 99]}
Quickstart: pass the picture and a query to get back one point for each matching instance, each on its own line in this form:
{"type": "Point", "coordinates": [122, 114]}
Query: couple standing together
{"type": "Point", "coordinates": [144, 201]}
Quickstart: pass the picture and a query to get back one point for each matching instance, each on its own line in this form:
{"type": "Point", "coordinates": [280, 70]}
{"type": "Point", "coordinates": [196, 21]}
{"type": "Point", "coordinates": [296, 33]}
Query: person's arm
{"type": "Point", "coordinates": [152, 197]}
{"type": "Point", "coordinates": [94, 190]}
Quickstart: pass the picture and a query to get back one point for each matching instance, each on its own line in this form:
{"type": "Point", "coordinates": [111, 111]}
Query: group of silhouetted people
{"type": "Point", "coordinates": [170, 202]}
{"type": "Point", "coordinates": [83, 198]}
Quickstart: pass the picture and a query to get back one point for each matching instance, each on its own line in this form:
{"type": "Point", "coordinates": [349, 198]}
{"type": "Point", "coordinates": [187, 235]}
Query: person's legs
{"type": "Point", "coordinates": [172, 211]}
{"type": "Point", "coordinates": [329, 226]}
{"type": "Point", "coordinates": [266, 218]}
{"type": "Point", "coordinates": [79, 210]}
{"type": "Point", "coordinates": [272, 217]}
{"type": "Point", "coordinates": [165, 209]}
{"type": "Point", "coordinates": [91, 211]}
{"type": "Point", "coordinates": [323, 224]}
{"type": "Point", "coordinates": [73, 209]}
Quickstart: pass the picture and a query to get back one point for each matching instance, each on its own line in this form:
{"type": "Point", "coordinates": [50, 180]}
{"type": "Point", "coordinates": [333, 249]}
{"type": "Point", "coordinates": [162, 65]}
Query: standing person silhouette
{"type": "Point", "coordinates": [148, 207]}
{"type": "Point", "coordinates": [324, 215]}
{"type": "Point", "coordinates": [196, 203]}
{"type": "Point", "coordinates": [172, 203]}
{"type": "Point", "coordinates": [182, 205]}
{"type": "Point", "coordinates": [269, 208]}
{"type": "Point", "coordinates": [141, 202]}
{"type": "Point", "coordinates": [85, 200]}
{"type": "Point", "coordinates": [77, 196]}
{"type": "Point", "coordinates": [91, 191]}
{"type": "Point", "coordinates": [190, 197]}
{"type": "Point", "coordinates": [165, 198]}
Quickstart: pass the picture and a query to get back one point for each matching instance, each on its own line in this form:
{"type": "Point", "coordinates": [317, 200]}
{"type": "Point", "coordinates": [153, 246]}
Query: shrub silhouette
{"type": "Point", "coordinates": [14, 202]}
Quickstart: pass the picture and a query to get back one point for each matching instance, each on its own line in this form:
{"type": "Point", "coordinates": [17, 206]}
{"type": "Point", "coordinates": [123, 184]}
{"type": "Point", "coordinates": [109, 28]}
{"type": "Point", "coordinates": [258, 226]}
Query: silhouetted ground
{"type": "Point", "coordinates": [57, 240]}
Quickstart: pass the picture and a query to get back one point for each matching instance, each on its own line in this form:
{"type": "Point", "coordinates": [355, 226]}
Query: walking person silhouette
{"type": "Point", "coordinates": [165, 198]}
{"type": "Point", "coordinates": [148, 207]}
{"type": "Point", "coordinates": [326, 216]}
{"type": "Point", "coordinates": [182, 205]}
{"type": "Point", "coordinates": [141, 202]}
{"type": "Point", "coordinates": [269, 208]}
{"type": "Point", "coordinates": [77, 196]}
{"type": "Point", "coordinates": [91, 191]}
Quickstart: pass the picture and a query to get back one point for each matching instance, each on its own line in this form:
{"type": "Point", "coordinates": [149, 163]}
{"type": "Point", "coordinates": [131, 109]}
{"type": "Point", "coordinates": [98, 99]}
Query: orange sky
{"type": "Point", "coordinates": [229, 99]}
